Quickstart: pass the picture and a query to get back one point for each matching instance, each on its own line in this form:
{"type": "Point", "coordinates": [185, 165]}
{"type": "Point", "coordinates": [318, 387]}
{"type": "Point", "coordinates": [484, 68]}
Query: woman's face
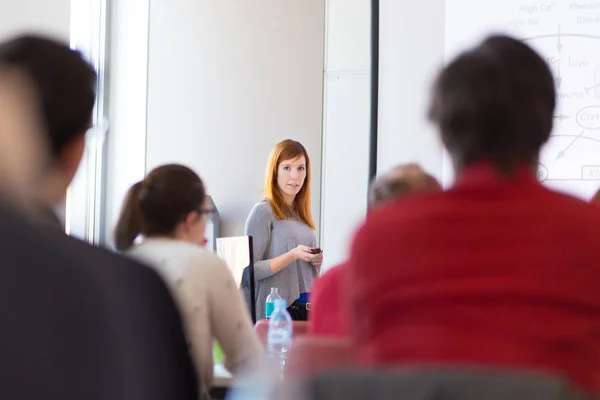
{"type": "Point", "coordinates": [290, 177]}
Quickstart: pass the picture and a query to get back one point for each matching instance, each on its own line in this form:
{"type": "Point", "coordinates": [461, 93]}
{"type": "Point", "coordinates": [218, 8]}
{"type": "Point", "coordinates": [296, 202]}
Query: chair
{"type": "Point", "coordinates": [299, 328]}
{"type": "Point", "coordinates": [237, 253]}
{"type": "Point", "coordinates": [310, 355]}
{"type": "Point", "coordinates": [449, 382]}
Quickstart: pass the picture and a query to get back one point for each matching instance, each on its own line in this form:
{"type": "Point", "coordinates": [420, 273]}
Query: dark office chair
{"type": "Point", "coordinates": [443, 383]}
{"type": "Point", "coordinates": [237, 253]}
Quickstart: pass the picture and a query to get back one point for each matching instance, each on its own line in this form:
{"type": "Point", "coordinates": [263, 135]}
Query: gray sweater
{"type": "Point", "coordinates": [273, 237]}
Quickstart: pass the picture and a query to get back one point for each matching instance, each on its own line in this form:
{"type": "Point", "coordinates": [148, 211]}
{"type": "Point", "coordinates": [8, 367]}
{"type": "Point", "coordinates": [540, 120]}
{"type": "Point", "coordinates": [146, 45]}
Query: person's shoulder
{"type": "Point", "coordinates": [561, 198]}
{"type": "Point", "coordinates": [262, 207]}
{"type": "Point", "coordinates": [206, 257]}
{"type": "Point", "coordinates": [201, 260]}
{"type": "Point", "coordinates": [107, 261]}
{"type": "Point", "coordinates": [40, 250]}
{"type": "Point", "coordinates": [329, 278]}
{"type": "Point", "coordinates": [178, 250]}
{"type": "Point", "coordinates": [573, 211]}
{"type": "Point", "coordinates": [261, 211]}
{"type": "Point", "coordinates": [333, 273]}
{"type": "Point", "coordinates": [390, 224]}
{"type": "Point", "coordinates": [206, 268]}
{"type": "Point", "coordinates": [104, 263]}
{"type": "Point", "coordinates": [78, 246]}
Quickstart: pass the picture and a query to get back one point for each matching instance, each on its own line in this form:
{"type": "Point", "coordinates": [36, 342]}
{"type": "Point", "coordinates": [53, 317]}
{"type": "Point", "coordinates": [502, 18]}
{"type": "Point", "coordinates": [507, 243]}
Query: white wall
{"type": "Point", "coordinates": [346, 125]}
{"type": "Point", "coordinates": [40, 16]}
{"type": "Point", "coordinates": [227, 79]}
{"type": "Point", "coordinates": [411, 50]}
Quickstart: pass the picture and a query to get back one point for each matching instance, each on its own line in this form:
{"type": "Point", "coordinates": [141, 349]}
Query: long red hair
{"type": "Point", "coordinates": [283, 151]}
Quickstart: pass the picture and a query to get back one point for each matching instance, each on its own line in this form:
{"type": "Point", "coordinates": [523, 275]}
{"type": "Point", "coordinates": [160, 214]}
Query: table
{"type": "Point", "coordinates": [221, 377]}
{"type": "Point", "coordinates": [221, 382]}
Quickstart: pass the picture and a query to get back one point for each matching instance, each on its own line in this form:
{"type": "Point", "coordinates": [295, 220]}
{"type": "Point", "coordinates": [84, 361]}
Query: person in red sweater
{"type": "Point", "coordinates": [596, 198]}
{"type": "Point", "coordinates": [497, 271]}
{"type": "Point", "coordinates": [329, 313]}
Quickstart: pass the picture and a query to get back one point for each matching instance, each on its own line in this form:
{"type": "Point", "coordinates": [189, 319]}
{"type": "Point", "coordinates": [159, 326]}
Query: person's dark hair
{"type": "Point", "coordinates": [65, 84]}
{"type": "Point", "coordinates": [156, 205]}
{"type": "Point", "coordinates": [494, 102]}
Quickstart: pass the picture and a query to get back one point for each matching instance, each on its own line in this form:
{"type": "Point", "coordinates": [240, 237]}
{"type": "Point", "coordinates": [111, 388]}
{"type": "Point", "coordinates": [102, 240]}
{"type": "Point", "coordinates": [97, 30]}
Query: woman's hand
{"type": "Point", "coordinates": [303, 253]}
{"type": "Point", "coordinates": [317, 260]}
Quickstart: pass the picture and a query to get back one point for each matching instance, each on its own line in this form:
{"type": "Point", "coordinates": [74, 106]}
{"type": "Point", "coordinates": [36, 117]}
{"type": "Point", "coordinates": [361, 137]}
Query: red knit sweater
{"type": "Point", "coordinates": [493, 272]}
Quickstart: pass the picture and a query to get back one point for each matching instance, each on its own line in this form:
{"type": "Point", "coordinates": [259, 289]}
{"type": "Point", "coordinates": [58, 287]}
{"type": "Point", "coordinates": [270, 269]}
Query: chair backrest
{"type": "Point", "coordinates": [449, 382]}
{"type": "Point", "coordinates": [237, 253]}
{"type": "Point", "coordinates": [300, 328]}
{"type": "Point", "coordinates": [310, 355]}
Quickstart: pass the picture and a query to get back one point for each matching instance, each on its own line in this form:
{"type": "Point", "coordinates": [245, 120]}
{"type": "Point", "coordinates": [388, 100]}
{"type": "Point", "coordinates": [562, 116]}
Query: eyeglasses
{"type": "Point", "coordinates": [206, 211]}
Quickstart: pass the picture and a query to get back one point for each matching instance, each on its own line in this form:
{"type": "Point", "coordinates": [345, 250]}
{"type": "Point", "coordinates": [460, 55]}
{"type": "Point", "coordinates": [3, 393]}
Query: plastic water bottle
{"type": "Point", "coordinates": [280, 333]}
{"type": "Point", "coordinates": [270, 305]}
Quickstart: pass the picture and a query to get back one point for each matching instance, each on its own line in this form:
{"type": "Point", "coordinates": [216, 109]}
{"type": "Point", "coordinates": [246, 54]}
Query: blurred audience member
{"type": "Point", "coordinates": [596, 198]}
{"type": "Point", "coordinates": [498, 271]}
{"type": "Point", "coordinates": [329, 312]}
{"type": "Point", "coordinates": [79, 322]}
{"type": "Point", "coordinates": [23, 151]}
{"type": "Point", "coordinates": [169, 209]}
{"type": "Point", "coordinates": [66, 87]}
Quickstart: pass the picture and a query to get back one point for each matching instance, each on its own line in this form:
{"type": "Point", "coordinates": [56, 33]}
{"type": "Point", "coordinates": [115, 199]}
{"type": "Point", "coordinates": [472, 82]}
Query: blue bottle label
{"type": "Point", "coordinates": [270, 308]}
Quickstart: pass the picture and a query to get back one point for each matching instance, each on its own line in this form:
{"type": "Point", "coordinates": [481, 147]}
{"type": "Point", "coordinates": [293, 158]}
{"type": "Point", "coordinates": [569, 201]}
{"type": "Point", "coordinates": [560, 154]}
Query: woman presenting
{"type": "Point", "coordinates": [282, 230]}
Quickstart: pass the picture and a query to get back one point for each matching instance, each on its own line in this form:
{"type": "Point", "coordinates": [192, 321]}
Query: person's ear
{"type": "Point", "coordinates": [190, 219]}
{"type": "Point", "coordinates": [71, 154]}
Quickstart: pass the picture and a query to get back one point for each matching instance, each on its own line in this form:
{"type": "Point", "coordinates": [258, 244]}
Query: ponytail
{"type": "Point", "coordinates": [129, 225]}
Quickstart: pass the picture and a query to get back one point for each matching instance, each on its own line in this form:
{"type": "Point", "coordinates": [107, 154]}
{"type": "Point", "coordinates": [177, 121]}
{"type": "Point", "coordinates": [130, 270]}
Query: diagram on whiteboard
{"type": "Point", "coordinates": [567, 35]}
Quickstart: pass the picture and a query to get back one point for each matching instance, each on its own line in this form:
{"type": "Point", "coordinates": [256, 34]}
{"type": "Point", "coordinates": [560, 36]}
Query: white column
{"type": "Point", "coordinates": [346, 125]}
{"type": "Point", "coordinates": [128, 97]}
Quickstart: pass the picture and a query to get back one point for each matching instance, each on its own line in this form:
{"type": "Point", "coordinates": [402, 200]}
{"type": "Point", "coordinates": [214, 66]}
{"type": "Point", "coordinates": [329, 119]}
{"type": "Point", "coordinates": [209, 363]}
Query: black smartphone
{"type": "Point", "coordinates": [316, 251]}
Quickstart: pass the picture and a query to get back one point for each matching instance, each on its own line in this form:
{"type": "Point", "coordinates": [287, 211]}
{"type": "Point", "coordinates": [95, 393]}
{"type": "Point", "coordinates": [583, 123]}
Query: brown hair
{"type": "Point", "coordinates": [288, 150]}
{"type": "Point", "coordinates": [401, 181]}
{"type": "Point", "coordinates": [156, 205]}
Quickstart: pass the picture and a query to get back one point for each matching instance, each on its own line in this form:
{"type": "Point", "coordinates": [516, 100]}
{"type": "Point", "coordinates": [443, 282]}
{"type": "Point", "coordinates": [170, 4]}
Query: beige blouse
{"type": "Point", "coordinates": [210, 303]}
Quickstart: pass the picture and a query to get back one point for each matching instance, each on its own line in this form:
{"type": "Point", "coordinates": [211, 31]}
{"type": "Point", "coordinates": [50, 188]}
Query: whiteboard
{"type": "Point", "coordinates": [567, 35]}
{"type": "Point", "coordinates": [346, 126]}
{"type": "Point", "coordinates": [411, 52]}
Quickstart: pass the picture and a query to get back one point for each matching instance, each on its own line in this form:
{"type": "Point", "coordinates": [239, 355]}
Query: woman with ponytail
{"type": "Point", "coordinates": [168, 212]}
{"type": "Point", "coordinates": [129, 225]}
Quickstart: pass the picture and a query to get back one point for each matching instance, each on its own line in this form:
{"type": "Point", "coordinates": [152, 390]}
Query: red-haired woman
{"type": "Point", "coordinates": [283, 231]}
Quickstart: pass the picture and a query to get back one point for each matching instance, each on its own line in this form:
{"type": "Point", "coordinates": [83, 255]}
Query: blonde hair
{"type": "Point", "coordinates": [288, 150]}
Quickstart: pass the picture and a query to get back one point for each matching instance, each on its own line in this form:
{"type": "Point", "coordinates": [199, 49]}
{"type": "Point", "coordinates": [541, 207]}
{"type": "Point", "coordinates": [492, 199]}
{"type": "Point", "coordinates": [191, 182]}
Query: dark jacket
{"type": "Point", "coordinates": [80, 322]}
